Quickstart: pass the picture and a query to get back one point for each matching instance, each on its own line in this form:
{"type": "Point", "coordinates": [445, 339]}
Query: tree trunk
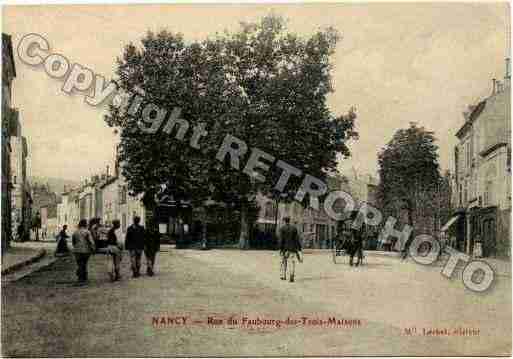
{"type": "Point", "coordinates": [244, 227]}
{"type": "Point", "coordinates": [150, 207]}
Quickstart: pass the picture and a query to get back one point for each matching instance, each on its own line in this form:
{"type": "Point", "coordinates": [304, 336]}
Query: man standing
{"type": "Point", "coordinates": [114, 249]}
{"type": "Point", "coordinates": [83, 247]}
{"type": "Point", "coordinates": [151, 247]}
{"type": "Point", "coordinates": [290, 246]}
{"type": "Point", "coordinates": [356, 246]}
{"type": "Point", "coordinates": [134, 243]}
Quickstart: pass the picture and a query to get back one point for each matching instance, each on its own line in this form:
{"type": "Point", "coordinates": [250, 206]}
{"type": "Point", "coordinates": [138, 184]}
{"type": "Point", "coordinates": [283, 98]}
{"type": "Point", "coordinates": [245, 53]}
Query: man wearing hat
{"type": "Point", "coordinates": [290, 246]}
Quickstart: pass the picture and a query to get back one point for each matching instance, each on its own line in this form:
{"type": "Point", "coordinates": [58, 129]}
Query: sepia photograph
{"type": "Point", "coordinates": [266, 179]}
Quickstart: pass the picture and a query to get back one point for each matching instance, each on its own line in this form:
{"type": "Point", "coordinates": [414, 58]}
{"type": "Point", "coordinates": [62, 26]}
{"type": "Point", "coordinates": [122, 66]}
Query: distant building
{"type": "Point", "coordinates": [21, 200]}
{"type": "Point", "coordinates": [88, 200]}
{"type": "Point", "coordinates": [49, 221]}
{"type": "Point", "coordinates": [482, 180]}
{"type": "Point", "coordinates": [8, 75]}
{"type": "Point", "coordinates": [110, 201]}
{"type": "Point", "coordinates": [68, 209]}
{"type": "Point", "coordinates": [42, 196]}
{"type": "Point", "coordinates": [315, 226]}
{"type": "Point", "coordinates": [362, 187]}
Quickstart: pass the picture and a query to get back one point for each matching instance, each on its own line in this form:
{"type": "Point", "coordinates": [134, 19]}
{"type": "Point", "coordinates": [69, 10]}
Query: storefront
{"type": "Point", "coordinates": [174, 219]}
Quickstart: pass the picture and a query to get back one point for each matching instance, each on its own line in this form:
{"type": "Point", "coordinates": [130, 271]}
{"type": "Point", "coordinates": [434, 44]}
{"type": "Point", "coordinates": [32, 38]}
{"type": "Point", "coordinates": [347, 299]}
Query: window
{"type": "Point", "coordinates": [122, 194]}
{"type": "Point", "coordinates": [468, 155]}
{"type": "Point", "coordinates": [488, 193]}
{"type": "Point", "coordinates": [465, 192]}
{"type": "Point", "coordinates": [123, 222]}
{"type": "Point", "coordinates": [508, 160]}
{"type": "Point", "coordinates": [269, 210]}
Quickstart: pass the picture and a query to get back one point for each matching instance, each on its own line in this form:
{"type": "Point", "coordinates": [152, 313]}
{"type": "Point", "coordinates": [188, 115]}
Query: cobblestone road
{"type": "Point", "coordinates": [45, 315]}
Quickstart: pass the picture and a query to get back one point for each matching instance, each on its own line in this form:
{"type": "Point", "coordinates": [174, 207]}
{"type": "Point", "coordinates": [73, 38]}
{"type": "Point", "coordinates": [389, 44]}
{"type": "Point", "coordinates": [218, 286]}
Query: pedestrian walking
{"type": "Point", "coordinates": [151, 247]}
{"type": "Point", "coordinates": [114, 250]}
{"type": "Point", "coordinates": [83, 247]}
{"type": "Point", "coordinates": [62, 242]}
{"type": "Point", "coordinates": [356, 246]}
{"type": "Point", "coordinates": [20, 232]}
{"type": "Point", "coordinates": [290, 248]}
{"type": "Point", "coordinates": [134, 243]}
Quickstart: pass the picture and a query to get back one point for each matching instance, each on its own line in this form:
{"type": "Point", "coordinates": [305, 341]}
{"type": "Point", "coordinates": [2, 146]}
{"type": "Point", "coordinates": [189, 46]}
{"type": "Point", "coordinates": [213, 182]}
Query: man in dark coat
{"type": "Point", "coordinates": [356, 246]}
{"type": "Point", "coordinates": [151, 247]}
{"type": "Point", "coordinates": [134, 243]}
{"type": "Point", "coordinates": [290, 246]}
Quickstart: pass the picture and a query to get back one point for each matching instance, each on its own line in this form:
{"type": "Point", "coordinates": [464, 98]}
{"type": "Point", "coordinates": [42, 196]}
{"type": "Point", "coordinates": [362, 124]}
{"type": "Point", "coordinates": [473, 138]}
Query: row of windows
{"type": "Point", "coordinates": [488, 197]}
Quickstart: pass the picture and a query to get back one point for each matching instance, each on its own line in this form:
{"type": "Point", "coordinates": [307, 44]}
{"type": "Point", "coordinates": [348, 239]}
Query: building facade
{"type": "Point", "coordinates": [316, 227]}
{"type": "Point", "coordinates": [68, 209]}
{"type": "Point", "coordinates": [21, 200]}
{"type": "Point", "coordinates": [8, 75]}
{"type": "Point", "coordinates": [49, 221]}
{"type": "Point", "coordinates": [482, 179]}
{"type": "Point", "coordinates": [42, 196]}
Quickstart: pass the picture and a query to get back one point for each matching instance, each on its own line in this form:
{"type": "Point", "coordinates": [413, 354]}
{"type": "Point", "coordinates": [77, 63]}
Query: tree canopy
{"type": "Point", "coordinates": [262, 84]}
{"type": "Point", "coordinates": [409, 171]}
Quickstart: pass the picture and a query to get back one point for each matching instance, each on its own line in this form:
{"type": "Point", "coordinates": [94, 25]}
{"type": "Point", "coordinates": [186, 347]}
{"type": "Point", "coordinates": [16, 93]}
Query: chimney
{"type": "Point", "coordinates": [494, 86]}
{"type": "Point", "coordinates": [107, 173]}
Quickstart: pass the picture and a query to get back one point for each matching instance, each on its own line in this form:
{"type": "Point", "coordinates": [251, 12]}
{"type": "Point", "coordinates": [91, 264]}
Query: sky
{"type": "Point", "coordinates": [396, 63]}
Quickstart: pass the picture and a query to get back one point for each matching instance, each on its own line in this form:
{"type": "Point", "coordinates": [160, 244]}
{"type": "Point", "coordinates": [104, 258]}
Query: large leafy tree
{"type": "Point", "coordinates": [262, 84]}
{"type": "Point", "coordinates": [409, 173]}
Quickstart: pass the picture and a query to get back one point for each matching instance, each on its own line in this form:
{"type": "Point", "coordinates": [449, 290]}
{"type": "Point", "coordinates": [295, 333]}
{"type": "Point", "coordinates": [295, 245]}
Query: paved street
{"type": "Point", "coordinates": [44, 315]}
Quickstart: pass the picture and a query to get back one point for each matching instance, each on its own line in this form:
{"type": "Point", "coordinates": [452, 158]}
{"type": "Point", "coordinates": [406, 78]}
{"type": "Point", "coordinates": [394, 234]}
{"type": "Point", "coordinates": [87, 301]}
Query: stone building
{"type": "Point", "coordinates": [49, 221]}
{"type": "Point", "coordinates": [8, 75]}
{"type": "Point", "coordinates": [482, 177]}
{"type": "Point", "coordinates": [68, 209]}
{"type": "Point", "coordinates": [315, 226]}
{"type": "Point", "coordinates": [42, 196]}
{"type": "Point", "coordinates": [118, 204]}
{"type": "Point", "coordinates": [21, 200]}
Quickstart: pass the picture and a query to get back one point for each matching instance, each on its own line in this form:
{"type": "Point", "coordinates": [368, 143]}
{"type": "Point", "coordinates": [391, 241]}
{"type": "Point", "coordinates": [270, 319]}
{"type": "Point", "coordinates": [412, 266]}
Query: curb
{"type": "Point", "coordinates": [20, 265]}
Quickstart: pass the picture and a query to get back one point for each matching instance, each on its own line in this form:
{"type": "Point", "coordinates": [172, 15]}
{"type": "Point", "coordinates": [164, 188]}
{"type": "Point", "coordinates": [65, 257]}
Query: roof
{"type": "Point", "coordinates": [108, 181]}
{"type": "Point", "coordinates": [476, 111]}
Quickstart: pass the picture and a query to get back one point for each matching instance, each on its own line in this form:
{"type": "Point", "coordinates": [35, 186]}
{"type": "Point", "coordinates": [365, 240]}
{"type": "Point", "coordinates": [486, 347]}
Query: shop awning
{"type": "Point", "coordinates": [449, 223]}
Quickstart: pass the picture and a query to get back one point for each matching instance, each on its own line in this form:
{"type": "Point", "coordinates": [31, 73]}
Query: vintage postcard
{"type": "Point", "coordinates": [256, 180]}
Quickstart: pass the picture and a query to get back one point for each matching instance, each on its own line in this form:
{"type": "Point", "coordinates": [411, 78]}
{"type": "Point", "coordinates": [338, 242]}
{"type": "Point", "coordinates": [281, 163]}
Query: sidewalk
{"type": "Point", "coordinates": [19, 256]}
{"type": "Point", "coordinates": [24, 258]}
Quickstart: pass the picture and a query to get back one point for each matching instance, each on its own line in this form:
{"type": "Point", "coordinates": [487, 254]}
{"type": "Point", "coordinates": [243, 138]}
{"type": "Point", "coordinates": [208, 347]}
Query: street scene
{"type": "Point", "coordinates": [384, 296]}
{"type": "Point", "coordinates": [327, 179]}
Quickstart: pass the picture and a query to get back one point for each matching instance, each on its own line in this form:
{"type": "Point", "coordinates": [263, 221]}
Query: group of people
{"type": "Point", "coordinates": [89, 238]}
